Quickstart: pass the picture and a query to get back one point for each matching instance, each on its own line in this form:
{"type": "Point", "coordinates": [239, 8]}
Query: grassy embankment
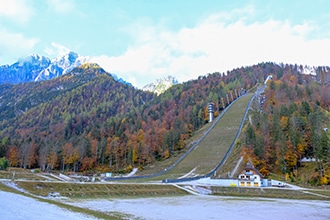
{"type": "Point", "coordinates": [272, 193]}
{"type": "Point", "coordinates": [212, 148]}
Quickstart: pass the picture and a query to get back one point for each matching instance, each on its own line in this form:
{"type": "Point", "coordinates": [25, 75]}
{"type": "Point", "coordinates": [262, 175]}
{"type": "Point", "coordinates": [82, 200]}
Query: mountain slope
{"type": "Point", "coordinates": [25, 70]}
{"type": "Point", "coordinates": [85, 120]}
{"type": "Point", "coordinates": [17, 100]}
{"type": "Point", "coordinates": [290, 123]}
{"type": "Point", "coordinates": [67, 109]}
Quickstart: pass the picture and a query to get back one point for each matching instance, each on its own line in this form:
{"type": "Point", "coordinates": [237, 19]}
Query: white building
{"type": "Point", "coordinates": [250, 177]}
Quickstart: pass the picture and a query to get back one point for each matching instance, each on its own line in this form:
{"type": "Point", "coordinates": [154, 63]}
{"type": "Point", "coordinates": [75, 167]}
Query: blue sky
{"type": "Point", "coordinates": [143, 40]}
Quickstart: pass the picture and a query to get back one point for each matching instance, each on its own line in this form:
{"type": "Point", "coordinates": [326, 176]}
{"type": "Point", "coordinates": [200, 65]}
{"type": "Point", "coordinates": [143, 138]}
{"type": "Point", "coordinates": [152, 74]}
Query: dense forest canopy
{"type": "Point", "coordinates": [291, 125]}
{"type": "Point", "coordinates": [85, 120]}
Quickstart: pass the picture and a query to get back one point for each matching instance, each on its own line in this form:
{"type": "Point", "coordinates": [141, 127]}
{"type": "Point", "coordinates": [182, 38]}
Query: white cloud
{"type": "Point", "coordinates": [56, 50]}
{"type": "Point", "coordinates": [16, 10]}
{"type": "Point", "coordinates": [13, 45]}
{"type": "Point", "coordinates": [218, 43]}
{"type": "Point", "coordinates": [61, 6]}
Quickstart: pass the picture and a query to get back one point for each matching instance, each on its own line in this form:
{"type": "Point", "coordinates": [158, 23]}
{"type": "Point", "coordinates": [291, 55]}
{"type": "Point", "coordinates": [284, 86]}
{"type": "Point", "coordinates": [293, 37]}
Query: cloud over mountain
{"type": "Point", "coordinates": [219, 42]}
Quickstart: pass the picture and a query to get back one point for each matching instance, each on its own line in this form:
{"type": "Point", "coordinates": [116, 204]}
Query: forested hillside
{"type": "Point", "coordinates": [292, 126]}
{"type": "Point", "coordinates": [86, 120]}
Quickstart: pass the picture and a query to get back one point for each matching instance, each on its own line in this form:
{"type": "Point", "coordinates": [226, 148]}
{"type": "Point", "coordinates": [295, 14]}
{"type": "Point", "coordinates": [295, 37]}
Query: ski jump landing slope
{"type": "Point", "coordinates": [212, 149]}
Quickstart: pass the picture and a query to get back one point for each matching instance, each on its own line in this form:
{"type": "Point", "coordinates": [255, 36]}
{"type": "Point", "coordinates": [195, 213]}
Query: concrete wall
{"type": "Point", "coordinates": [218, 182]}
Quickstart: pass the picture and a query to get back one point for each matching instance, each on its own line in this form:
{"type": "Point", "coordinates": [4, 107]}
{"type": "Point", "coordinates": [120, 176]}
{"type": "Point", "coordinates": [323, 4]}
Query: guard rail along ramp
{"type": "Point", "coordinates": [192, 148]}
{"type": "Point", "coordinates": [224, 159]}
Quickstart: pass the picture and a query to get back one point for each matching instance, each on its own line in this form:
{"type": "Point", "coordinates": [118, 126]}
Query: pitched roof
{"type": "Point", "coordinates": [249, 166]}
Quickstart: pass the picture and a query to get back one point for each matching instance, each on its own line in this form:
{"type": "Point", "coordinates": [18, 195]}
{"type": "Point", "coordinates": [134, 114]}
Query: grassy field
{"type": "Point", "coordinates": [271, 193]}
{"type": "Point", "coordinates": [99, 190]}
{"type": "Point", "coordinates": [17, 173]}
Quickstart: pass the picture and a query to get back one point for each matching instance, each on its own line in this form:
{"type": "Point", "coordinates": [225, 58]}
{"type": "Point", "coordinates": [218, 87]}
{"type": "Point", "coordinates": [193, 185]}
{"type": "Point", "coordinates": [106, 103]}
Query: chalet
{"type": "Point", "coordinates": [250, 177]}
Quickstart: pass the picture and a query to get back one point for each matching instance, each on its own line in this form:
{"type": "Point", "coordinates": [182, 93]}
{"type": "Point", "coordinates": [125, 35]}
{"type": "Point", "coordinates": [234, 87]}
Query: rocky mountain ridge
{"type": "Point", "coordinates": [36, 68]}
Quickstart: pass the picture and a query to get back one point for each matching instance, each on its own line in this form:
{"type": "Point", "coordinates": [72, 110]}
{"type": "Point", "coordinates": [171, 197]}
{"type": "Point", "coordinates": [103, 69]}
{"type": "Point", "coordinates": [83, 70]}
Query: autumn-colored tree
{"type": "Point", "coordinates": [70, 157]}
{"type": "Point", "coordinates": [87, 164]}
{"type": "Point", "coordinates": [13, 156]}
{"type": "Point", "coordinates": [52, 159]}
{"type": "Point", "coordinates": [32, 156]}
{"type": "Point", "coordinates": [42, 156]}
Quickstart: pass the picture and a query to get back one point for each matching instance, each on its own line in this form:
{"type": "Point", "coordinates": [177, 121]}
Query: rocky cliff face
{"type": "Point", "coordinates": [37, 68]}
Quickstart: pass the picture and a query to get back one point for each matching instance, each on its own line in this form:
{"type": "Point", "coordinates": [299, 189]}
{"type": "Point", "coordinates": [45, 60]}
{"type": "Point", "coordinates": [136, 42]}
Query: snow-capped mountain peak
{"type": "Point", "coordinates": [161, 85]}
{"type": "Point", "coordinates": [34, 59]}
{"type": "Point", "coordinates": [38, 68]}
{"type": "Point", "coordinates": [62, 65]}
{"type": "Point", "coordinates": [24, 70]}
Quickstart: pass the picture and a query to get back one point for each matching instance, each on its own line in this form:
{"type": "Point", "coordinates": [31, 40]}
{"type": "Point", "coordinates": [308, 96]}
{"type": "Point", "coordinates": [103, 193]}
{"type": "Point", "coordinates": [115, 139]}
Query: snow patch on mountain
{"type": "Point", "coordinates": [308, 70]}
{"type": "Point", "coordinates": [161, 85]}
{"type": "Point", "coordinates": [313, 70]}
